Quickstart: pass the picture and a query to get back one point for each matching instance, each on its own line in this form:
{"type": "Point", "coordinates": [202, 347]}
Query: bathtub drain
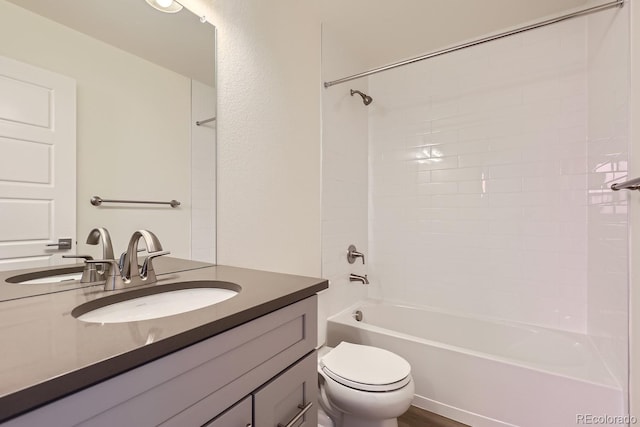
{"type": "Point", "coordinates": [357, 315]}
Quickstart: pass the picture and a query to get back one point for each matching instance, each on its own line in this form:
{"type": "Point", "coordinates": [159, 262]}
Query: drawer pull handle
{"type": "Point", "coordinates": [303, 410]}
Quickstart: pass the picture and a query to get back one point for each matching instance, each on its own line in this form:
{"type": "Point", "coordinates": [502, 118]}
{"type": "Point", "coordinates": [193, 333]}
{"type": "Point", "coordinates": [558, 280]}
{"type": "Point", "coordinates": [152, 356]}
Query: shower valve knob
{"type": "Point", "coordinates": [353, 254]}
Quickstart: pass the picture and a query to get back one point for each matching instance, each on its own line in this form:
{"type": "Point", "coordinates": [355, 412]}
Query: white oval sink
{"type": "Point", "coordinates": [157, 305]}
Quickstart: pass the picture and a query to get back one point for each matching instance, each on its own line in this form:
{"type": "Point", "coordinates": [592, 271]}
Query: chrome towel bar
{"type": "Point", "coordinates": [97, 201]}
{"type": "Point", "coordinates": [633, 184]}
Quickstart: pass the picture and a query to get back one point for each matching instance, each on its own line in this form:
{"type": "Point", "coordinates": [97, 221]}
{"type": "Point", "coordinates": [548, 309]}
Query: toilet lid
{"type": "Point", "coordinates": [366, 368]}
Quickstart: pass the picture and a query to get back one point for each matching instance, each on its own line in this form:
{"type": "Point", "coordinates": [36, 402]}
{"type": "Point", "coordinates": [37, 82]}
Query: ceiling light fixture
{"type": "Point", "coordinates": [168, 6]}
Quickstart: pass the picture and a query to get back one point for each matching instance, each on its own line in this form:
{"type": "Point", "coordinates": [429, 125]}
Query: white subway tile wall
{"type": "Point", "coordinates": [482, 170]}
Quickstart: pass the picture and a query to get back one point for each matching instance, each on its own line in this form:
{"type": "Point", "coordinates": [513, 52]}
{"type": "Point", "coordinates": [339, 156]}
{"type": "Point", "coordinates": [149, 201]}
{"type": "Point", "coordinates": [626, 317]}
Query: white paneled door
{"type": "Point", "coordinates": [37, 165]}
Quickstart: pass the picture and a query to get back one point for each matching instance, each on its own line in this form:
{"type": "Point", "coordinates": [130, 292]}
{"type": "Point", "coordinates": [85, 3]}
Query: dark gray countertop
{"type": "Point", "coordinates": [47, 353]}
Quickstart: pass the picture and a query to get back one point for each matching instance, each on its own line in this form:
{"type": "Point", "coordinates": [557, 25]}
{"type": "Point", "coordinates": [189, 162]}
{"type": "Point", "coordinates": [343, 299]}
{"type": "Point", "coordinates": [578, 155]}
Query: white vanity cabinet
{"type": "Point", "coordinates": [240, 415]}
{"type": "Point", "coordinates": [287, 400]}
{"type": "Point", "coordinates": [257, 373]}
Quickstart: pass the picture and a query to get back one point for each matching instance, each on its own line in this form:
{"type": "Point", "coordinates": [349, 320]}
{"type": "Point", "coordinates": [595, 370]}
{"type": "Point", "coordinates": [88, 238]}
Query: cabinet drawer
{"type": "Point", "coordinates": [238, 416]}
{"type": "Point", "coordinates": [284, 398]}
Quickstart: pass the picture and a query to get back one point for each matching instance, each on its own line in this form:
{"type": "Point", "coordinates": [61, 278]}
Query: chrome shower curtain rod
{"type": "Point", "coordinates": [587, 11]}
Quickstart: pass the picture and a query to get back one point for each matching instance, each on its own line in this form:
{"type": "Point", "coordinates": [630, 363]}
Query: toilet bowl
{"type": "Point", "coordinates": [324, 420]}
{"type": "Point", "coordinates": [363, 386]}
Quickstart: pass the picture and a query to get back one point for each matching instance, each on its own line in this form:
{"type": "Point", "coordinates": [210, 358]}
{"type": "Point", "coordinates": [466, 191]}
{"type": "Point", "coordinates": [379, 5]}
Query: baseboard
{"type": "Point", "coordinates": [457, 414]}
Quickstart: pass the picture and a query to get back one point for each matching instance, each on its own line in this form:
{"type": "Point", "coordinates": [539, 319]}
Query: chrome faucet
{"type": "Point", "coordinates": [100, 235]}
{"type": "Point", "coordinates": [91, 274]}
{"type": "Point", "coordinates": [357, 278]}
{"type": "Point", "coordinates": [111, 273]}
{"type": "Point", "coordinates": [117, 274]}
{"type": "Point", "coordinates": [131, 269]}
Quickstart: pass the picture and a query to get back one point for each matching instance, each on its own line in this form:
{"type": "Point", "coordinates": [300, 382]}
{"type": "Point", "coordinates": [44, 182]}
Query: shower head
{"type": "Point", "coordinates": [365, 98]}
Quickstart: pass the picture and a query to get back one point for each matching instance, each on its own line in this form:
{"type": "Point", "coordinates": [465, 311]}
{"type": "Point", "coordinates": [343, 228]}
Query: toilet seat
{"type": "Point", "coordinates": [366, 368]}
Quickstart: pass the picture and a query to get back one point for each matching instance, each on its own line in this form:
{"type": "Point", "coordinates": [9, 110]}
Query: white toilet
{"type": "Point", "coordinates": [363, 386]}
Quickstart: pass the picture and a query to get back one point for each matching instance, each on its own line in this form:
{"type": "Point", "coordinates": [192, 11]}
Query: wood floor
{"type": "Point", "coordinates": [416, 417]}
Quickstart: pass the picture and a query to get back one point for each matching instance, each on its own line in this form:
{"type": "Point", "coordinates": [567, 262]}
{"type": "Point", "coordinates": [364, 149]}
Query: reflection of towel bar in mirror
{"type": "Point", "coordinates": [201, 122]}
{"type": "Point", "coordinates": [97, 201]}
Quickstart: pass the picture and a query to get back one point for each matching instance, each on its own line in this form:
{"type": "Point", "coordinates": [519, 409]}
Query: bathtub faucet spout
{"type": "Point", "coordinates": [357, 278]}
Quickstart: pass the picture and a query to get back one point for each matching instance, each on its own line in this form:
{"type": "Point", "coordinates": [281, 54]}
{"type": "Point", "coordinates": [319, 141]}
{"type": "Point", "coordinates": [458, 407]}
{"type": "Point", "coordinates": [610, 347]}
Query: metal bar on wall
{"type": "Point", "coordinates": [587, 11]}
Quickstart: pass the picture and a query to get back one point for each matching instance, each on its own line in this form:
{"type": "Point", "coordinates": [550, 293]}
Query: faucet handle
{"type": "Point", "coordinates": [353, 254]}
{"type": "Point", "coordinates": [122, 258]}
{"type": "Point", "coordinates": [112, 273]}
{"type": "Point", "coordinates": [147, 271]}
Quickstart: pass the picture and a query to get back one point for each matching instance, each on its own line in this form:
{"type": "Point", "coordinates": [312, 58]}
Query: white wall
{"type": "Point", "coordinates": [344, 181]}
{"type": "Point", "coordinates": [203, 173]}
{"type": "Point", "coordinates": [479, 179]}
{"type": "Point", "coordinates": [269, 110]}
{"type": "Point", "coordinates": [383, 32]}
{"type": "Point", "coordinates": [133, 128]}
{"type": "Point", "coordinates": [608, 157]}
{"type": "Point", "coordinates": [268, 133]}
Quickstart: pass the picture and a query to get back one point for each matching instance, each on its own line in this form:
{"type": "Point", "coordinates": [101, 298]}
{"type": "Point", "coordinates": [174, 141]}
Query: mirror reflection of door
{"type": "Point", "coordinates": [37, 165]}
{"type": "Point", "coordinates": [143, 79]}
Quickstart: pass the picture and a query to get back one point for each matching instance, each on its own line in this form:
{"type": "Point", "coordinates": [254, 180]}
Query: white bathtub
{"type": "Point", "coordinates": [488, 373]}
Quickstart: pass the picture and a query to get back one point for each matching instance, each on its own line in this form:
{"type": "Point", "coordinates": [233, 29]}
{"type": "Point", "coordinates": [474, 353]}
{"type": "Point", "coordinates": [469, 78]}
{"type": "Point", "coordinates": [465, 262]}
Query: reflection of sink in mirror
{"type": "Point", "coordinates": [167, 301]}
{"type": "Point", "coordinates": [44, 277]}
{"type": "Point", "coordinates": [52, 279]}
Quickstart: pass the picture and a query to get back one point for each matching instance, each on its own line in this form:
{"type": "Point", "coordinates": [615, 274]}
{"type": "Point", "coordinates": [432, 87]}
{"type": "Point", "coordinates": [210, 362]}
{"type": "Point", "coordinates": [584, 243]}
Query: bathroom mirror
{"type": "Point", "coordinates": [142, 80]}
